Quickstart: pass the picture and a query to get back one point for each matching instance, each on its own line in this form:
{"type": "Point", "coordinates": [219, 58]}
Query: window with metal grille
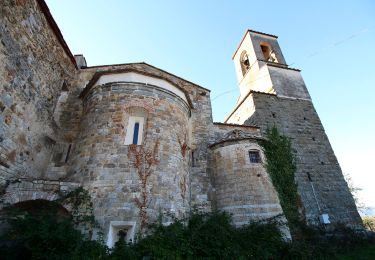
{"type": "Point", "coordinates": [254, 157]}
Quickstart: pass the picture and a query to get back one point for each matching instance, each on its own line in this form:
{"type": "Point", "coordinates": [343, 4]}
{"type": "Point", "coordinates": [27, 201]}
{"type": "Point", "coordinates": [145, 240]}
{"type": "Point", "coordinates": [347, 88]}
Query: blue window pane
{"type": "Point", "coordinates": [135, 133]}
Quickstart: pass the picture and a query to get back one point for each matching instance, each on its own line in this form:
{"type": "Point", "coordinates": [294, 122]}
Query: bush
{"type": "Point", "coordinates": [208, 236]}
{"type": "Point", "coordinates": [45, 236]}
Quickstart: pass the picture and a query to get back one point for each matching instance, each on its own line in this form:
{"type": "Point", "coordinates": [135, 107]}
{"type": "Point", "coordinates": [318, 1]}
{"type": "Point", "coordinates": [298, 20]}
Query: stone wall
{"type": "Point", "coordinates": [287, 82]}
{"type": "Point", "coordinates": [34, 68]}
{"type": "Point", "coordinates": [199, 124]}
{"type": "Point", "coordinates": [108, 167]}
{"type": "Point", "coordinates": [57, 127]}
{"type": "Point", "coordinates": [298, 120]}
{"type": "Point", "coordinates": [242, 188]}
{"type": "Point", "coordinates": [24, 190]}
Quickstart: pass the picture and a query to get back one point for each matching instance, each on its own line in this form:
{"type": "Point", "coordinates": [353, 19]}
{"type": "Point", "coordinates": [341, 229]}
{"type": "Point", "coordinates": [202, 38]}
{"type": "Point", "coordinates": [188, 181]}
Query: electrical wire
{"type": "Point", "coordinates": [333, 45]}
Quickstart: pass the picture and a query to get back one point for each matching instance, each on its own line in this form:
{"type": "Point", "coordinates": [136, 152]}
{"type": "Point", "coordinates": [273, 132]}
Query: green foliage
{"type": "Point", "coordinates": [211, 236]}
{"type": "Point", "coordinates": [318, 244]}
{"type": "Point", "coordinates": [44, 231]}
{"type": "Point", "coordinates": [281, 167]}
{"type": "Point", "coordinates": [369, 223]}
{"type": "Point", "coordinates": [41, 231]}
{"type": "Point", "coordinates": [208, 236]}
{"type": "Point", "coordinates": [308, 242]}
{"type": "Point", "coordinates": [81, 207]}
{"type": "Point", "coordinates": [365, 251]}
{"type": "Point", "coordinates": [45, 236]}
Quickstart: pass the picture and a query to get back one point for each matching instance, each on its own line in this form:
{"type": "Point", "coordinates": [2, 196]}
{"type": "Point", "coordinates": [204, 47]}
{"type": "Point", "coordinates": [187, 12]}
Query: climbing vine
{"type": "Point", "coordinates": [144, 161]}
{"type": "Point", "coordinates": [281, 167]}
{"type": "Point", "coordinates": [184, 148]}
{"type": "Point", "coordinates": [183, 187]}
{"type": "Point", "coordinates": [183, 145]}
{"type": "Point", "coordinates": [81, 207]}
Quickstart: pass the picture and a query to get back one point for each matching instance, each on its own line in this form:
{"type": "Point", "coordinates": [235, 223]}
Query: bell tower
{"type": "Point", "coordinates": [275, 95]}
{"type": "Point", "coordinates": [260, 66]}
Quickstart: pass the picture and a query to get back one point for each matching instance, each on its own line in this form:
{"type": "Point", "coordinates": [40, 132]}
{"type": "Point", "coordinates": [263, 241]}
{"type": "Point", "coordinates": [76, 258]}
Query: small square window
{"type": "Point", "coordinates": [120, 230]}
{"type": "Point", "coordinates": [254, 157]}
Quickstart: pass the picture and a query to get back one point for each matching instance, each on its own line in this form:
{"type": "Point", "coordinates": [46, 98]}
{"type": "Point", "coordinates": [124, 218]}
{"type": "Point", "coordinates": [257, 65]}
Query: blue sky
{"type": "Point", "coordinates": [332, 42]}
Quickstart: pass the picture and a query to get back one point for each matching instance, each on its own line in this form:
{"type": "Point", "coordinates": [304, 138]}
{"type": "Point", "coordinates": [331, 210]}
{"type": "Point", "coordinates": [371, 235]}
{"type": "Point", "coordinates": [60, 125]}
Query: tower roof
{"type": "Point", "coordinates": [256, 32]}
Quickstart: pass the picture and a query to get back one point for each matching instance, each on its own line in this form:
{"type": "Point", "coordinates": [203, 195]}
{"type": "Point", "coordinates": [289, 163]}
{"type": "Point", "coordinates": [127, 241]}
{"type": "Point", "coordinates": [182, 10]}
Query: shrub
{"type": "Point", "coordinates": [208, 236]}
{"type": "Point", "coordinates": [45, 236]}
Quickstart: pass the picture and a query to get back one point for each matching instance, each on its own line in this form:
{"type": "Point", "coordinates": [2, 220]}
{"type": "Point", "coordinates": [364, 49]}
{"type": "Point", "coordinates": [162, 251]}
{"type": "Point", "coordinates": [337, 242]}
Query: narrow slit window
{"type": "Point", "coordinates": [193, 159]}
{"type": "Point", "coordinates": [134, 130]}
{"type": "Point", "coordinates": [68, 153]}
{"type": "Point", "coordinates": [136, 133]}
{"type": "Point", "coordinates": [254, 157]}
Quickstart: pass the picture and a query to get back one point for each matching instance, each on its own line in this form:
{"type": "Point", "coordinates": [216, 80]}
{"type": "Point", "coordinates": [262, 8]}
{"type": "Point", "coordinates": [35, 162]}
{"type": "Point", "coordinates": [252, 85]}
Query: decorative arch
{"type": "Point", "coordinates": [245, 63]}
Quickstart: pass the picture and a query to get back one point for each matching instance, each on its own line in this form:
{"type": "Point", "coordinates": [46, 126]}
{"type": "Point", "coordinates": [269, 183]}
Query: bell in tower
{"type": "Point", "coordinates": [260, 66]}
{"type": "Point", "coordinates": [245, 63]}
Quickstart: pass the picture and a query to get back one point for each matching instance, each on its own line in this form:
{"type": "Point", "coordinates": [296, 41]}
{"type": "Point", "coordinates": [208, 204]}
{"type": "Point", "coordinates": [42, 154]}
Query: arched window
{"type": "Point", "coordinates": [245, 63]}
{"type": "Point", "coordinates": [268, 53]}
{"type": "Point", "coordinates": [136, 119]}
{"type": "Point", "coordinates": [134, 131]}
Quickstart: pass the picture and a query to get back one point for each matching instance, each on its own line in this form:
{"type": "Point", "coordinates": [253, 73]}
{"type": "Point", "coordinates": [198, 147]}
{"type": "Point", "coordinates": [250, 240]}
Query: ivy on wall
{"type": "Point", "coordinates": [281, 168]}
{"type": "Point", "coordinates": [80, 206]}
{"type": "Point", "coordinates": [43, 235]}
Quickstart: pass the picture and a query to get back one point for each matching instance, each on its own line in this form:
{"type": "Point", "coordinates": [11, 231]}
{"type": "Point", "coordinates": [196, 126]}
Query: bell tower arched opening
{"type": "Point", "coordinates": [245, 63]}
{"type": "Point", "coordinates": [268, 53]}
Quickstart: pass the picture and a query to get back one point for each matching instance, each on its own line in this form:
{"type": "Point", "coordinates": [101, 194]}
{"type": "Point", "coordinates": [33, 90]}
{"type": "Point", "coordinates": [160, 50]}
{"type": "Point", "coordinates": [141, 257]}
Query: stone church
{"type": "Point", "coordinates": [142, 141]}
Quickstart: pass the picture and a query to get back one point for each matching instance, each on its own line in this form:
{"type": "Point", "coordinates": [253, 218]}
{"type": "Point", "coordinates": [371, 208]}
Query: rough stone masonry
{"type": "Point", "coordinates": [142, 141]}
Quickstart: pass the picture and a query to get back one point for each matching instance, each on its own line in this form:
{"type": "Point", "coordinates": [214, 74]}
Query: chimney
{"type": "Point", "coordinates": [81, 61]}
